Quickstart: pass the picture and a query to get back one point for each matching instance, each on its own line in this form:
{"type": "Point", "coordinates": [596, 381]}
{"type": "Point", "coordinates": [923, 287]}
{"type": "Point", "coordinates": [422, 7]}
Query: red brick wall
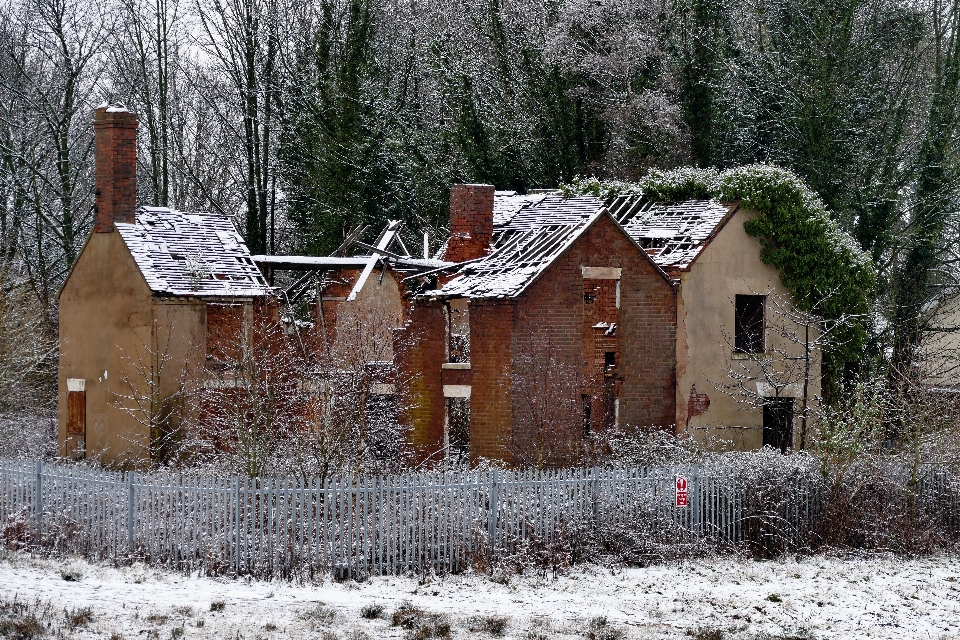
{"type": "Point", "coordinates": [419, 352]}
{"type": "Point", "coordinates": [225, 327]}
{"type": "Point", "coordinates": [645, 340]}
{"type": "Point", "coordinates": [491, 410]}
{"type": "Point", "coordinates": [115, 135]}
{"type": "Point", "coordinates": [471, 221]}
{"type": "Point", "coordinates": [600, 308]}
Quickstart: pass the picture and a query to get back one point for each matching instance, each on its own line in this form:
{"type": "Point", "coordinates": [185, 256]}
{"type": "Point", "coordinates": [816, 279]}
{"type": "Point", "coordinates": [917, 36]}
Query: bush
{"type": "Point", "coordinates": [79, 617]}
{"type": "Point", "coordinates": [494, 625]}
{"type": "Point", "coordinates": [371, 611]}
{"type": "Point", "coordinates": [420, 624]}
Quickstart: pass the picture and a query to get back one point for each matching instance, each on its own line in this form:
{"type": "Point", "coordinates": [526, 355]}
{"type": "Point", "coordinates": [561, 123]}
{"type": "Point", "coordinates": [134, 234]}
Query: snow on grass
{"type": "Point", "coordinates": [815, 597]}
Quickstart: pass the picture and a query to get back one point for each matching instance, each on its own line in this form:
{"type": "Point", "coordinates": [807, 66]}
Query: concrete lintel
{"type": "Point", "coordinates": [601, 273]}
{"type": "Point", "coordinates": [383, 389]}
{"type": "Point", "coordinates": [456, 390]}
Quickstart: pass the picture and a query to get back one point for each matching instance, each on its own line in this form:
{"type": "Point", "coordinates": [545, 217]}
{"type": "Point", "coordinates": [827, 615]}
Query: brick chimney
{"type": "Point", "coordinates": [115, 137]}
{"type": "Point", "coordinates": [471, 221]}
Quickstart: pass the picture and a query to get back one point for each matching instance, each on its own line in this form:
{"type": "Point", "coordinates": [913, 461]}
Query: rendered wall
{"type": "Point", "coordinates": [363, 326]}
{"type": "Point", "coordinates": [729, 265]}
{"type": "Point", "coordinates": [106, 314]}
{"type": "Point", "coordinates": [941, 347]}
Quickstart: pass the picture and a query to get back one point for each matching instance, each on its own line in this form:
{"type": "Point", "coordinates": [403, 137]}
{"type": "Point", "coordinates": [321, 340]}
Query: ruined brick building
{"type": "Point", "coordinates": [150, 287]}
{"type": "Point", "coordinates": [543, 318]}
{"type": "Point", "coordinates": [643, 307]}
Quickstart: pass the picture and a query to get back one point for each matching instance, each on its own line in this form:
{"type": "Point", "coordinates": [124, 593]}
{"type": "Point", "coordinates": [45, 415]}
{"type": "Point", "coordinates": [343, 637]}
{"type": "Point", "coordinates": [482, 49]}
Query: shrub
{"type": "Point", "coordinates": [371, 611]}
{"type": "Point", "coordinates": [494, 625]}
{"type": "Point", "coordinates": [79, 617]}
{"type": "Point", "coordinates": [319, 615]}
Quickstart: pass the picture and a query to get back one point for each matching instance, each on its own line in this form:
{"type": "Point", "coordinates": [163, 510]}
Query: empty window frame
{"type": "Point", "coordinates": [749, 324]}
{"type": "Point", "coordinates": [586, 406]}
{"type": "Point", "coordinates": [778, 423]}
{"type": "Point", "coordinates": [609, 360]}
{"type": "Point", "coordinates": [458, 428]}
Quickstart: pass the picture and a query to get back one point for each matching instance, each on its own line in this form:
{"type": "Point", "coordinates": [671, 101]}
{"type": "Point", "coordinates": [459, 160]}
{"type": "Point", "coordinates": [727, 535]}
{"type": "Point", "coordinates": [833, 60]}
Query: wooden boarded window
{"type": "Point", "coordinates": [749, 324]}
{"type": "Point", "coordinates": [76, 406]}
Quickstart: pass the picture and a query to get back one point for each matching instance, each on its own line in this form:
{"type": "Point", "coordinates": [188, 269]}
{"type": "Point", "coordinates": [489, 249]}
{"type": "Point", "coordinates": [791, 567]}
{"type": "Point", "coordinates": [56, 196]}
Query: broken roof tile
{"type": "Point", "coordinates": [531, 231]}
{"type": "Point", "coordinates": [191, 254]}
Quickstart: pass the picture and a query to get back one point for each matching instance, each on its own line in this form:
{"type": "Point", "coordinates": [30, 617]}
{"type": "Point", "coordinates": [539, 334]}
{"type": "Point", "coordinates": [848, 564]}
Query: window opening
{"type": "Point", "coordinates": [749, 327]}
{"type": "Point", "coordinates": [586, 403]}
{"type": "Point", "coordinates": [609, 360]}
{"type": "Point", "coordinates": [778, 423]}
{"type": "Point", "coordinates": [458, 427]}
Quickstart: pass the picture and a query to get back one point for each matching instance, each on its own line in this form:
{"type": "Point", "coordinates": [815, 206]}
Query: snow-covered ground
{"type": "Point", "coordinates": [816, 597]}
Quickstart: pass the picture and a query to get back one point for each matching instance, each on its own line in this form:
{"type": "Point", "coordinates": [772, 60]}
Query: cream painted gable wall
{"type": "Point", "coordinates": [728, 266]}
{"type": "Point", "coordinates": [113, 335]}
{"type": "Point", "coordinates": [364, 326]}
{"type": "Point", "coordinates": [106, 310]}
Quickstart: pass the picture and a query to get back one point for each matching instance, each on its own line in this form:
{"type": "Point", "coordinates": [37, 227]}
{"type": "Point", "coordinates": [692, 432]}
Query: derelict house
{"type": "Point", "coordinates": [543, 319]}
{"type": "Point", "coordinates": [640, 309]}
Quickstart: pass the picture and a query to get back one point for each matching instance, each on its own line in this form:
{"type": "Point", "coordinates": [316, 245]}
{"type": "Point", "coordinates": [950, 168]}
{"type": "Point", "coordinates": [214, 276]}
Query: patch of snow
{"type": "Point", "coordinates": [875, 596]}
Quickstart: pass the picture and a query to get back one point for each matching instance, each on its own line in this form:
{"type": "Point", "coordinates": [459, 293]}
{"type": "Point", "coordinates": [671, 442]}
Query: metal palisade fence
{"type": "Point", "coordinates": [358, 525]}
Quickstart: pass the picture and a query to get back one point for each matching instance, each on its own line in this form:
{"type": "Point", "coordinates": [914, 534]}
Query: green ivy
{"type": "Point", "coordinates": [822, 266]}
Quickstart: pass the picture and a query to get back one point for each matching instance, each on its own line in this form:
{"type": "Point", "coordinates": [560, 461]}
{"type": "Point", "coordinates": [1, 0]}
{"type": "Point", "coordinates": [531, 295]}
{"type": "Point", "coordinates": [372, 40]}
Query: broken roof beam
{"type": "Point", "coordinates": [380, 251]}
{"type": "Point", "coordinates": [310, 263]}
{"type": "Point", "coordinates": [352, 237]}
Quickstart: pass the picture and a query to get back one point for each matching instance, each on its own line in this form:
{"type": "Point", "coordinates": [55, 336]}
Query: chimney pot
{"type": "Point", "coordinates": [471, 221]}
{"type": "Point", "coordinates": [115, 138]}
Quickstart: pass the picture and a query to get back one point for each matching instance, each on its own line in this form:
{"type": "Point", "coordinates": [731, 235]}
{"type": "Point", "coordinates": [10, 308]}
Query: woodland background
{"type": "Point", "coordinates": [302, 119]}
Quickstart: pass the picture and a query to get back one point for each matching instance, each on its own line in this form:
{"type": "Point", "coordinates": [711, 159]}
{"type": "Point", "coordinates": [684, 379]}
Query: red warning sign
{"type": "Point", "coordinates": [683, 497]}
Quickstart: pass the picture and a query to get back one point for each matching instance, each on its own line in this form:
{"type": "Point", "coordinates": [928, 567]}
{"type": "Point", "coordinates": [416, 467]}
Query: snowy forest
{"type": "Point", "coordinates": [300, 120]}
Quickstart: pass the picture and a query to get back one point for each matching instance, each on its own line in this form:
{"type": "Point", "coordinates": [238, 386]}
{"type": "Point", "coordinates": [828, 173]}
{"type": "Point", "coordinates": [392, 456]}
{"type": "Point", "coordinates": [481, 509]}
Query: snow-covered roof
{"type": "Point", "coordinates": [191, 254]}
{"type": "Point", "coordinates": [519, 257]}
{"type": "Point", "coordinates": [672, 234]}
{"type": "Point", "coordinates": [530, 232]}
{"type": "Point", "coordinates": [506, 204]}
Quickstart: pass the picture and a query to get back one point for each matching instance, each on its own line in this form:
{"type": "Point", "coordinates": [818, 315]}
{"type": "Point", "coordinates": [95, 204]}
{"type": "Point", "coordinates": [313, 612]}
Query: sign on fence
{"type": "Point", "coordinates": [683, 498]}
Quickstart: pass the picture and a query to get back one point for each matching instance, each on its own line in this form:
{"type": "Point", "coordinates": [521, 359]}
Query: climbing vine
{"type": "Point", "coordinates": [822, 266]}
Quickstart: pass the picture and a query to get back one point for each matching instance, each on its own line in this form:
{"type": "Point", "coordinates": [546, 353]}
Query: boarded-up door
{"type": "Point", "coordinates": [76, 417]}
{"type": "Point", "coordinates": [77, 412]}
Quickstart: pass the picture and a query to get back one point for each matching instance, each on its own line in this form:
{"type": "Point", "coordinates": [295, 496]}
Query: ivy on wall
{"type": "Point", "coordinates": [823, 267]}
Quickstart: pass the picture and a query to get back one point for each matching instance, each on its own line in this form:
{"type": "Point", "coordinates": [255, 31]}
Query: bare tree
{"type": "Point", "coordinates": [28, 349]}
{"type": "Point", "coordinates": [253, 397]}
{"type": "Point", "coordinates": [51, 80]}
{"type": "Point", "coordinates": [244, 39]}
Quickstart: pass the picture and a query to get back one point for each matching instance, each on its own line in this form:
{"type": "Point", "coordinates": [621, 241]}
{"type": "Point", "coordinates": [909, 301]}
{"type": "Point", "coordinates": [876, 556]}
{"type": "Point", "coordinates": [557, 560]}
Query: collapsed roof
{"type": "Point", "coordinates": [191, 254]}
{"type": "Point", "coordinates": [530, 232]}
{"type": "Point", "coordinates": [388, 250]}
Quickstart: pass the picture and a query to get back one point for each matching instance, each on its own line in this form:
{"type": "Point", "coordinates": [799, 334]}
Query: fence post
{"type": "Point", "coordinates": [38, 504]}
{"type": "Point", "coordinates": [236, 530]}
{"type": "Point", "coordinates": [131, 506]}
{"type": "Point", "coordinates": [492, 514]}
{"type": "Point", "coordinates": [595, 491]}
